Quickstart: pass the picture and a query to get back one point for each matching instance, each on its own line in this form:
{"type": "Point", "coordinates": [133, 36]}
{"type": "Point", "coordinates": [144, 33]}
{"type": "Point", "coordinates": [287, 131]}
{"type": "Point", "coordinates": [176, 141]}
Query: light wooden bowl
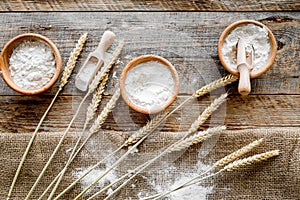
{"type": "Point", "coordinates": [7, 51]}
{"type": "Point", "coordinates": [272, 55]}
{"type": "Point", "coordinates": [147, 58]}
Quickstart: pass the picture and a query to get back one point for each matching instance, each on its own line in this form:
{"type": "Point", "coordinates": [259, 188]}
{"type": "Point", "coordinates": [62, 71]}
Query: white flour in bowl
{"type": "Point", "coordinates": [255, 36]}
{"type": "Point", "coordinates": [149, 85]}
{"type": "Point", "coordinates": [32, 65]}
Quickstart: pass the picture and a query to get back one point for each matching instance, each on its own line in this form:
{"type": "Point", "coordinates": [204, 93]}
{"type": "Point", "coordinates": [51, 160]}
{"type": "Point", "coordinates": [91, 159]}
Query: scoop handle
{"type": "Point", "coordinates": [244, 82]}
{"type": "Point", "coordinates": [1, 63]}
{"type": "Point", "coordinates": [107, 39]}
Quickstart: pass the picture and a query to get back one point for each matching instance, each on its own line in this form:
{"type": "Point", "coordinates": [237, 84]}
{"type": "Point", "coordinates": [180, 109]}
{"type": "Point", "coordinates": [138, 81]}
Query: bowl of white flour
{"type": "Point", "coordinates": [149, 84]}
{"type": "Point", "coordinates": [30, 63]}
{"type": "Point", "coordinates": [257, 36]}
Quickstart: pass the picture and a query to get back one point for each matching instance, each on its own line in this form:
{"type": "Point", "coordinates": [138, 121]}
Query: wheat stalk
{"type": "Point", "coordinates": [230, 167]}
{"type": "Point", "coordinates": [101, 78]}
{"type": "Point", "coordinates": [95, 128]}
{"type": "Point", "coordinates": [233, 156]}
{"type": "Point", "coordinates": [66, 74]}
{"type": "Point", "coordinates": [250, 160]}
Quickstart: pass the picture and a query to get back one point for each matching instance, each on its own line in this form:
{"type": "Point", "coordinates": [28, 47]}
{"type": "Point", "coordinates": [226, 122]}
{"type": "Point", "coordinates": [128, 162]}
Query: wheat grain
{"type": "Point", "coordinates": [207, 113]}
{"type": "Point", "coordinates": [250, 160]}
{"type": "Point", "coordinates": [216, 84]}
{"type": "Point", "coordinates": [233, 156]}
{"type": "Point", "coordinates": [72, 61]}
{"type": "Point", "coordinates": [197, 138]}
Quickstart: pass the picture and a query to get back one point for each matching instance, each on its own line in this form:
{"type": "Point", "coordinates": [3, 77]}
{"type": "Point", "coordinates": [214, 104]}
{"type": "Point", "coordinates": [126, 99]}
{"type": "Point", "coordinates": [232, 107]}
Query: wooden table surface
{"type": "Point", "coordinates": [187, 39]}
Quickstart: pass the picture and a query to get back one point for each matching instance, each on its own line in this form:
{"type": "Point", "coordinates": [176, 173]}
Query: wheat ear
{"type": "Point", "coordinates": [250, 160]}
{"type": "Point", "coordinates": [92, 108]}
{"type": "Point", "coordinates": [66, 74]}
{"type": "Point", "coordinates": [100, 81]}
{"type": "Point", "coordinates": [216, 84]}
{"type": "Point", "coordinates": [207, 112]}
{"type": "Point", "coordinates": [72, 61]}
{"type": "Point", "coordinates": [145, 129]}
{"type": "Point", "coordinates": [197, 138]}
{"type": "Point", "coordinates": [233, 156]}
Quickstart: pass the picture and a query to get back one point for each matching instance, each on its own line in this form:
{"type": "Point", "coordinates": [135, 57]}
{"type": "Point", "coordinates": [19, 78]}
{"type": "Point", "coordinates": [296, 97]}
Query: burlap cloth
{"type": "Point", "coordinates": [277, 178]}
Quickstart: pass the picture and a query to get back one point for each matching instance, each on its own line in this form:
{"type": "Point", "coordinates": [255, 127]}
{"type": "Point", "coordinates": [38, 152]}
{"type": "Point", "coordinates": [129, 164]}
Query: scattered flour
{"type": "Point", "coordinates": [32, 65]}
{"type": "Point", "coordinates": [196, 191]}
{"type": "Point", "coordinates": [149, 85]}
{"type": "Point", "coordinates": [255, 36]}
{"type": "Point", "coordinates": [91, 177]}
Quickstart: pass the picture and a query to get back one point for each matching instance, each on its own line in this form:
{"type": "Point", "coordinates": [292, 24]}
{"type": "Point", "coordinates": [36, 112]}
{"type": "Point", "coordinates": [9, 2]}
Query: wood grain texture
{"type": "Point", "coordinates": [187, 39]}
{"type": "Point", "coordinates": [146, 5]}
{"type": "Point", "coordinates": [21, 114]}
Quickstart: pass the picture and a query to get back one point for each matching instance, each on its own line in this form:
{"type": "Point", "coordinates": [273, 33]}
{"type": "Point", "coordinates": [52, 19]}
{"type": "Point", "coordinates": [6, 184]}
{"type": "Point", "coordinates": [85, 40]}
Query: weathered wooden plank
{"type": "Point", "coordinates": [21, 114]}
{"type": "Point", "coordinates": [187, 39]}
{"type": "Point", "coordinates": [146, 5]}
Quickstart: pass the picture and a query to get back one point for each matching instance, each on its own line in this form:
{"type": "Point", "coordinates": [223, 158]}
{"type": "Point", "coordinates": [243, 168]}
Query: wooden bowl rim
{"type": "Point", "coordinates": [147, 58]}
{"type": "Point", "coordinates": [12, 44]}
{"type": "Point", "coordinates": [272, 53]}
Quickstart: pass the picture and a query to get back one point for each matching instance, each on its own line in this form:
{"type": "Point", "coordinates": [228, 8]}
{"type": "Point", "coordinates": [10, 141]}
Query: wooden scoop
{"type": "Point", "coordinates": [244, 66]}
{"type": "Point", "coordinates": [94, 61]}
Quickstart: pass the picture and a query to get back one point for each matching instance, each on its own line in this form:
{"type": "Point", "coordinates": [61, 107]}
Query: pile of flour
{"type": "Point", "coordinates": [32, 65]}
{"type": "Point", "coordinates": [255, 36]}
{"type": "Point", "coordinates": [149, 85]}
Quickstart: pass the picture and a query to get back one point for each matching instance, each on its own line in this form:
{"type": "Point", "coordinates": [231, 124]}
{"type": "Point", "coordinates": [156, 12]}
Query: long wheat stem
{"type": "Point", "coordinates": [89, 116]}
{"type": "Point", "coordinates": [56, 149]}
{"type": "Point", "coordinates": [101, 77]}
{"type": "Point", "coordinates": [66, 74]}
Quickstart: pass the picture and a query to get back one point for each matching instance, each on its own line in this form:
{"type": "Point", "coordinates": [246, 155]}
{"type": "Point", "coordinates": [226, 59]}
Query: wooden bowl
{"type": "Point", "coordinates": [272, 54]}
{"type": "Point", "coordinates": [142, 59]}
{"type": "Point", "coordinates": [7, 51]}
